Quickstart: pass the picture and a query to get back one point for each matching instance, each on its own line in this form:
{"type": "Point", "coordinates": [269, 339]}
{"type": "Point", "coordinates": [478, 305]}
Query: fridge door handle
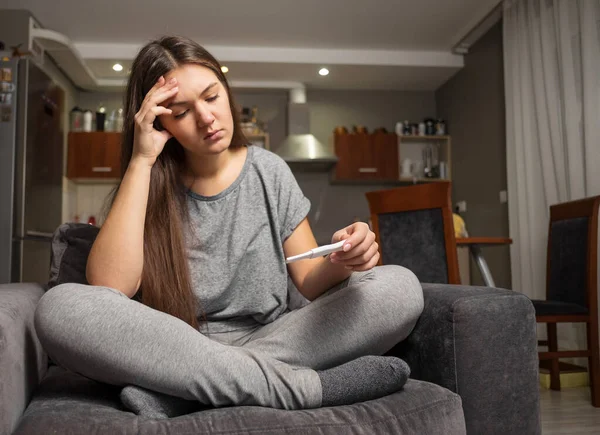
{"type": "Point", "coordinates": [40, 234]}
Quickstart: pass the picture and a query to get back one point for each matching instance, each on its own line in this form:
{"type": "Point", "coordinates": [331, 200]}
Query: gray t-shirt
{"type": "Point", "coordinates": [235, 243]}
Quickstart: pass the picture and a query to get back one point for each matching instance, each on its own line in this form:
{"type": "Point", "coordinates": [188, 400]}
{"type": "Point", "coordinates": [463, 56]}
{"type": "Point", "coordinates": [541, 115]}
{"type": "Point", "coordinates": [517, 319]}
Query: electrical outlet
{"type": "Point", "coordinates": [462, 206]}
{"type": "Point", "coordinates": [503, 197]}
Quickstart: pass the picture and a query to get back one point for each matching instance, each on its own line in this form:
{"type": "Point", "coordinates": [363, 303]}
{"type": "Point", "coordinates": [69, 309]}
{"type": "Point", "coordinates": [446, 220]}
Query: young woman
{"type": "Point", "coordinates": [188, 294]}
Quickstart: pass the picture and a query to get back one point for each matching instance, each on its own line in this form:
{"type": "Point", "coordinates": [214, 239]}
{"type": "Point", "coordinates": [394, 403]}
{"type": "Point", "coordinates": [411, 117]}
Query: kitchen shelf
{"type": "Point", "coordinates": [377, 158]}
{"type": "Point", "coordinates": [400, 182]}
{"type": "Point", "coordinates": [422, 180]}
{"type": "Point", "coordinates": [421, 137]}
{"type": "Point", "coordinates": [411, 147]}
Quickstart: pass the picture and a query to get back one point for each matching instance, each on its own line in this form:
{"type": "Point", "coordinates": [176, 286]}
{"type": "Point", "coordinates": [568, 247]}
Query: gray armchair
{"type": "Point", "coordinates": [472, 355]}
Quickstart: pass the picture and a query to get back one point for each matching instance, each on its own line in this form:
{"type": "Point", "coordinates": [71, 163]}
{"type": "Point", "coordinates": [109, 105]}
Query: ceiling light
{"type": "Point", "coordinates": [118, 67]}
{"type": "Point", "coordinates": [323, 71]}
{"type": "Point", "coordinates": [224, 69]}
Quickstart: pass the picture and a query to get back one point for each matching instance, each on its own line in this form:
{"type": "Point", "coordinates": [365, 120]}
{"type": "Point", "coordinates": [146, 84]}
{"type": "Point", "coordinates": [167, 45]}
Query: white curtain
{"type": "Point", "coordinates": [552, 87]}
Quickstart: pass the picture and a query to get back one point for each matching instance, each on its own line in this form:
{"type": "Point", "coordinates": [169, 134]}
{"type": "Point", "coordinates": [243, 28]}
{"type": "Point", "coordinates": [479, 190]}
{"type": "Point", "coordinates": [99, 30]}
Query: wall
{"type": "Point", "coordinates": [473, 103]}
{"type": "Point", "coordinates": [373, 109]}
{"type": "Point", "coordinates": [91, 200]}
{"type": "Point", "coordinates": [92, 100]}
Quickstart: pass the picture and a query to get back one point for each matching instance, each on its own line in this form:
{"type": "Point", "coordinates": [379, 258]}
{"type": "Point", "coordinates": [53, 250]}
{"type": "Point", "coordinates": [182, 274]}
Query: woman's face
{"type": "Point", "coordinates": [201, 118]}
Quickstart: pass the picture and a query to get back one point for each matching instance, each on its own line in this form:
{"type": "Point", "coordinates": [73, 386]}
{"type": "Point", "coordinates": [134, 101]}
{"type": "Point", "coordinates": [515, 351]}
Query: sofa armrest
{"type": "Point", "coordinates": [22, 360]}
{"type": "Point", "coordinates": [480, 343]}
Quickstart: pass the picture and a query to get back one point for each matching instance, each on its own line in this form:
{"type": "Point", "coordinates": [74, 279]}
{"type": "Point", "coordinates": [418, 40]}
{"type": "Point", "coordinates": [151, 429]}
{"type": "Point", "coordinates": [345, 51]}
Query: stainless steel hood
{"type": "Point", "coordinates": [300, 149]}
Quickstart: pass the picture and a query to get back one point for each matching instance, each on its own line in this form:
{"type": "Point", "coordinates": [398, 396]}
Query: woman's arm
{"type": "Point", "coordinates": [314, 277]}
{"type": "Point", "coordinates": [117, 256]}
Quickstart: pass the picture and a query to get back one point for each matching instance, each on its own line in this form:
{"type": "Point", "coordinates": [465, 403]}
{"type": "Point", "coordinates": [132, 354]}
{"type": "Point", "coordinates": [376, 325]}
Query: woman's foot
{"type": "Point", "coordinates": [365, 378]}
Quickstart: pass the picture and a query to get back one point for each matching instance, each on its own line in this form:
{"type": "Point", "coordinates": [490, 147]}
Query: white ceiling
{"type": "Point", "coordinates": [376, 44]}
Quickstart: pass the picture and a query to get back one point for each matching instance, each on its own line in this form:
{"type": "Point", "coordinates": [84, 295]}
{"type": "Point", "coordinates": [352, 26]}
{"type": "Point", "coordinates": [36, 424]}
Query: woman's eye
{"type": "Point", "coordinates": [211, 99]}
{"type": "Point", "coordinates": [181, 115]}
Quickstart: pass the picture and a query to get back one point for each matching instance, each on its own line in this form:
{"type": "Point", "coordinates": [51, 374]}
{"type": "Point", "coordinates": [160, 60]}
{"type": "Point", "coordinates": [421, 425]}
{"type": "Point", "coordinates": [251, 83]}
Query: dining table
{"type": "Point", "coordinates": [475, 244]}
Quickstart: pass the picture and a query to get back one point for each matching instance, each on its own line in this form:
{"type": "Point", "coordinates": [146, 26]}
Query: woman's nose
{"type": "Point", "coordinates": [205, 116]}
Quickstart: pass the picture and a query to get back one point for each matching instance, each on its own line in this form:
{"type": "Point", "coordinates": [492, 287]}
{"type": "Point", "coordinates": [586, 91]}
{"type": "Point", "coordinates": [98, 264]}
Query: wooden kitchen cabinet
{"type": "Point", "coordinates": [94, 155]}
{"type": "Point", "coordinates": [376, 158]}
{"type": "Point", "coordinates": [366, 156]}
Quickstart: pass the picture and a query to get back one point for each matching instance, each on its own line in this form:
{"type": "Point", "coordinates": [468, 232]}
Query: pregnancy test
{"type": "Point", "coordinates": [317, 252]}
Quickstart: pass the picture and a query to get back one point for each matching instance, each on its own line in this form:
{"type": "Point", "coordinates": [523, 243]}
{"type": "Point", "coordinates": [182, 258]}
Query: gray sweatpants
{"type": "Point", "coordinates": [100, 333]}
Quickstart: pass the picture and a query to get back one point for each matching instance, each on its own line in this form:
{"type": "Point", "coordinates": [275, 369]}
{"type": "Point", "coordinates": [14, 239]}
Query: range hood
{"type": "Point", "coordinates": [300, 149]}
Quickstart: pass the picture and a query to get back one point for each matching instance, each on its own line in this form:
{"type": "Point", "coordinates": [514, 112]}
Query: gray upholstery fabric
{"type": "Point", "coordinates": [22, 360]}
{"type": "Point", "coordinates": [553, 308]}
{"type": "Point", "coordinates": [568, 267]}
{"type": "Point", "coordinates": [71, 246]}
{"type": "Point", "coordinates": [479, 342]}
{"type": "Point", "coordinates": [69, 403]}
{"type": "Point", "coordinates": [415, 240]}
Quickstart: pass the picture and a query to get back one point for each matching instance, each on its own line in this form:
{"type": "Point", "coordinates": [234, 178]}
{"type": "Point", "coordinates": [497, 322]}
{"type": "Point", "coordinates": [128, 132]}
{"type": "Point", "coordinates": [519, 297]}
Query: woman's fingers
{"type": "Point", "coordinates": [159, 92]}
{"type": "Point", "coordinates": [159, 84]}
{"type": "Point", "coordinates": [154, 112]}
{"type": "Point", "coordinates": [147, 114]}
{"type": "Point", "coordinates": [363, 258]}
{"type": "Point", "coordinates": [367, 266]}
{"type": "Point", "coordinates": [356, 251]}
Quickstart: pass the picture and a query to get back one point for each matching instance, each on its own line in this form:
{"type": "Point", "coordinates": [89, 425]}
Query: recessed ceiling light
{"type": "Point", "coordinates": [118, 67]}
{"type": "Point", "coordinates": [224, 69]}
{"type": "Point", "coordinates": [323, 71]}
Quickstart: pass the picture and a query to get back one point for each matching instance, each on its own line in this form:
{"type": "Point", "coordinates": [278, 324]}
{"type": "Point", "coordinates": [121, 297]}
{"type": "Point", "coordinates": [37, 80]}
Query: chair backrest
{"type": "Point", "coordinates": [414, 228]}
{"type": "Point", "coordinates": [572, 256]}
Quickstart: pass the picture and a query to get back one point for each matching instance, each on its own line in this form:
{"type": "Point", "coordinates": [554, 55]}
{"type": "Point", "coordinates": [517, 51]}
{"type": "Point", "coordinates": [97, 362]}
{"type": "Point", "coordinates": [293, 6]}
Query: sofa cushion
{"type": "Point", "coordinates": [71, 245]}
{"type": "Point", "coordinates": [69, 403]}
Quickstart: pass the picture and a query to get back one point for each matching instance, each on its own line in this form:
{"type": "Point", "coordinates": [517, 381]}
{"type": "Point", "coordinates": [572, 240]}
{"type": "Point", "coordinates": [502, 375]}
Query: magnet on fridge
{"type": "Point", "coordinates": [7, 87]}
{"type": "Point", "coordinates": [5, 113]}
{"type": "Point", "coordinates": [6, 74]}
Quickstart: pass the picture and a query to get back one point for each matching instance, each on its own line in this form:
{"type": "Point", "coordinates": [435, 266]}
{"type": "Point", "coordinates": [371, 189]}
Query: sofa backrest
{"type": "Point", "coordinates": [71, 247]}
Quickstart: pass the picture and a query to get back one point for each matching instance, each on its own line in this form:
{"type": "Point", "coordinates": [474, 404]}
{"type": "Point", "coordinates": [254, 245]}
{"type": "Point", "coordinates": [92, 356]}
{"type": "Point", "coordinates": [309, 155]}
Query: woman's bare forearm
{"type": "Point", "coordinates": [117, 256]}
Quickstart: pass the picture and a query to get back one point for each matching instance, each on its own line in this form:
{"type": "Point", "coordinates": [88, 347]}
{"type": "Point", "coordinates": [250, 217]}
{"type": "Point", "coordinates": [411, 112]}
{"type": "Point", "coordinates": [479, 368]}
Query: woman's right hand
{"type": "Point", "coordinates": [149, 142]}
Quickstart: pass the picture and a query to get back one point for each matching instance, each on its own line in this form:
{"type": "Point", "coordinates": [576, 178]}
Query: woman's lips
{"type": "Point", "coordinates": [215, 135]}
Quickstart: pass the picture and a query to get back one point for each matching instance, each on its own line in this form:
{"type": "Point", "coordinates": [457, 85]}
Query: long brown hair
{"type": "Point", "coordinates": [166, 284]}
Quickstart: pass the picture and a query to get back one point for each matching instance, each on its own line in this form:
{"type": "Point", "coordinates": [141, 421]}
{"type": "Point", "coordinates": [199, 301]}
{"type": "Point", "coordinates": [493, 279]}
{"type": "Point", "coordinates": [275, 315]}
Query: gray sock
{"type": "Point", "coordinates": [365, 378]}
{"type": "Point", "coordinates": [151, 404]}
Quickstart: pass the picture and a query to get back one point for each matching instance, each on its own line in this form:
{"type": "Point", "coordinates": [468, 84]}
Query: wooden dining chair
{"type": "Point", "coordinates": [571, 285]}
{"type": "Point", "coordinates": [414, 228]}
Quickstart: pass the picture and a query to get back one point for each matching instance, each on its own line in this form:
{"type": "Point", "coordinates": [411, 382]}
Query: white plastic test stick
{"type": "Point", "coordinates": [317, 252]}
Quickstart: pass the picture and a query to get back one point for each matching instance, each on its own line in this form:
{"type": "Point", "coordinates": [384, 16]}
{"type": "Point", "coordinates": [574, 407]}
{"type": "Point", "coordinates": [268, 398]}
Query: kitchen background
{"type": "Point", "coordinates": [471, 102]}
{"type": "Point", "coordinates": [338, 205]}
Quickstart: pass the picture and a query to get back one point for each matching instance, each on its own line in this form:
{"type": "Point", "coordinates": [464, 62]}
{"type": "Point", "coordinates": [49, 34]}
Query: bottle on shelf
{"type": "Point", "coordinates": [87, 120]}
{"type": "Point", "coordinates": [76, 118]}
{"type": "Point", "coordinates": [100, 118]}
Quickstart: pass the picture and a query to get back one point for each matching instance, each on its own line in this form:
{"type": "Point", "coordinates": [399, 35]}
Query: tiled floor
{"type": "Point", "coordinates": [569, 411]}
